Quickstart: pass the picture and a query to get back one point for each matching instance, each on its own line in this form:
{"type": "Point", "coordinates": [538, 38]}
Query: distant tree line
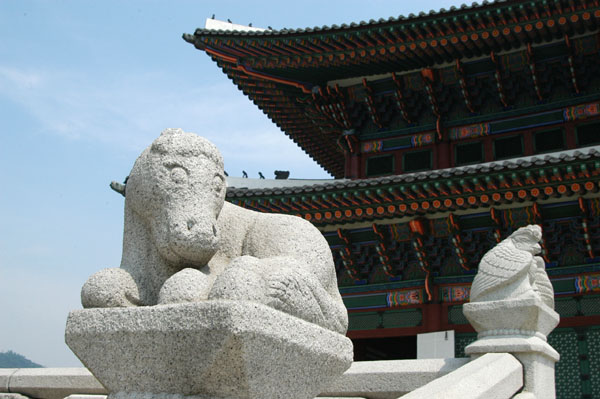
{"type": "Point", "coordinates": [12, 360]}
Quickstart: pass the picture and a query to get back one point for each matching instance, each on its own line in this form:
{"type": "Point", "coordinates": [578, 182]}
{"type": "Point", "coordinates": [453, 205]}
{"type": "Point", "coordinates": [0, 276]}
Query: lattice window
{"type": "Point", "coordinates": [593, 337]}
{"type": "Point", "coordinates": [566, 307]}
{"type": "Point", "coordinates": [364, 321]}
{"type": "Point", "coordinates": [402, 318]}
{"type": "Point", "coordinates": [461, 341]}
{"type": "Point", "coordinates": [568, 381]}
{"type": "Point", "coordinates": [456, 316]}
{"type": "Point", "coordinates": [590, 305]}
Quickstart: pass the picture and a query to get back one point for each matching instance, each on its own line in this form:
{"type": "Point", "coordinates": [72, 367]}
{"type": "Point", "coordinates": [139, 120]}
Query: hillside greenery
{"type": "Point", "coordinates": [13, 360]}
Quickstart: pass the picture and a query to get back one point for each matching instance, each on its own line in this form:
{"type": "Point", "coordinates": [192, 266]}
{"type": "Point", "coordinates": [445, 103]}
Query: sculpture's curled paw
{"type": "Point", "coordinates": [110, 288]}
{"type": "Point", "coordinates": [278, 282]}
{"type": "Point", "coordinates": [281, 286]}
{"type": "Point", "coordinates": [287, 287]}
{"type": "Point", "coordinates": [188, 285]}
{"type": "Point", "coordinates": [293, 292]}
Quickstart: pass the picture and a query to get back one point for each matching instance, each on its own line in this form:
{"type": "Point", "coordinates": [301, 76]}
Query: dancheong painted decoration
{"type": "Point", "coordinates": [444, 131]}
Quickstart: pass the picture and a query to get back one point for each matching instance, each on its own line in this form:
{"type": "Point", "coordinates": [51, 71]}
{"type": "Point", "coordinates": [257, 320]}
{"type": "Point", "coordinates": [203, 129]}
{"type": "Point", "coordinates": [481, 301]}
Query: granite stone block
{"type": "Point", "coordinates": [209, 349]}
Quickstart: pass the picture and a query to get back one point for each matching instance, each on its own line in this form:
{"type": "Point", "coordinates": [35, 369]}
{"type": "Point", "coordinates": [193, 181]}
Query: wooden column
{"type": "Point", "coordinates": [353, 166]}
{"type": "Point", "coordinates": [432, 317]}
{"type": "Point", "coordinates": [570, 135]}
{"type": "Point", "coordinates": [443, 157]}
{"type": "Point", "coordinates": [528, 143]}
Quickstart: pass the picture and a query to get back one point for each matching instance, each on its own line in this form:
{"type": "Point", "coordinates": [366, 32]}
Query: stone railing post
{"type": "Point", "coordinates": [512, 310]}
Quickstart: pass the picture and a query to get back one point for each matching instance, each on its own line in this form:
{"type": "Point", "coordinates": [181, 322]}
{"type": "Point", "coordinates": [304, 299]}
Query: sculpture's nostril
{"type": "Point", "coordinates": [214, 230]}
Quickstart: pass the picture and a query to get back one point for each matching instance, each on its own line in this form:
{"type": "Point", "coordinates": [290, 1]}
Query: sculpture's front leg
{"type": "Point", "coordinates": [187, 285]}
{"type": "Point", "coordinates": [110, 288]}
{"type": "Point", "coordinates": [241, 281]}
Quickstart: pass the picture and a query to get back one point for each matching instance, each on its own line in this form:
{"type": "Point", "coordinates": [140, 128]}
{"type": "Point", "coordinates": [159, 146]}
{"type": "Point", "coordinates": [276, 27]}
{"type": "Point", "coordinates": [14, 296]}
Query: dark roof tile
{"type": "Point", "coordinates": [391, 19]}
{"type": "Point", "coordinates": [431, 175]}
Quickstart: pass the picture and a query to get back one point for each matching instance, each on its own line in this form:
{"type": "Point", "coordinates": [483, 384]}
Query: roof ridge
{"type": "Point", "coordinates": [496, 166]}
{"type": "Point", "coordinates": [463, 8]}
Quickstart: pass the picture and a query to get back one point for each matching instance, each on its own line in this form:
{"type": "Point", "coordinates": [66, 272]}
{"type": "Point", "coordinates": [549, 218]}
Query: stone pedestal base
{"type": "Point", "coordinates": [525, 317]}
{"type": "Point", "coordinates": [518, 327]}
{"type": "Point", "coordinates": [212, 349]}
{"type": "Point", "coordinates": [536, 356]}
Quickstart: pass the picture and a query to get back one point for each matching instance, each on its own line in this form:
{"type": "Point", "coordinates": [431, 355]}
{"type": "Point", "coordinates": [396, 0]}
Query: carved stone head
{"type": "Point", "coordinates": [527, 239]}
{"type": "Point", "coordinates": [177, 187]}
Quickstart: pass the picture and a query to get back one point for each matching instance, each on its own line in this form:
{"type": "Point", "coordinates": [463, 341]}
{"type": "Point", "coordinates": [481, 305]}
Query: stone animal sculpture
{"type": "Point", "coordinates": [183, 243]}
{"type": "Point", "coordinates": [511, 270]}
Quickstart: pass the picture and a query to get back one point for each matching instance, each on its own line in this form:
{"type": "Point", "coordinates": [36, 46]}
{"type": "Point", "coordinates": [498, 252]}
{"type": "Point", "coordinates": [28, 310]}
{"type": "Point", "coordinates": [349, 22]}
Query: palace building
{"type": "Point", "coordinates": [445, 131]}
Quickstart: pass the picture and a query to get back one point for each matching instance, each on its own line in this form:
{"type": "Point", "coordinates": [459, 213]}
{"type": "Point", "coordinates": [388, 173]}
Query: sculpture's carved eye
{"type": "Point", "coordinates": [218, 184]}
{"type": "Point", "coordinates": [179, 175]}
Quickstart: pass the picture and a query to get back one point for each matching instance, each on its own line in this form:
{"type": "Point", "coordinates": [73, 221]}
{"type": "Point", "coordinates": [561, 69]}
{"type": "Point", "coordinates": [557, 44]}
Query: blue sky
{"type": "Point", "coordinates": [85, 86]}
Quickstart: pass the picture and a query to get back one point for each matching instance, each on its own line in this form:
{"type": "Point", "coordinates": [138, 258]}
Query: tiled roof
{"type": "Point", "coordinates": [371, 23]}
{"type": "Point", "coordinates": [471, 170]}
{"type": "Point", "coordinates": [291, 74]}
{"type": "Point", "coordinates": [571, 173]}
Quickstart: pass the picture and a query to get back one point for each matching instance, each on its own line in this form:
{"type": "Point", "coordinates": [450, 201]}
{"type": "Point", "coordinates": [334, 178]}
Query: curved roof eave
{"type": "Point", "coordinates": [411, 18]}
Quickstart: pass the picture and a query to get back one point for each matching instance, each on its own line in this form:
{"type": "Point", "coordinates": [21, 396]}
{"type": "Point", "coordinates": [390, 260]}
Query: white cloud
{"type": "Point", "coordinates": [129, 111]}
{"type": "Point", "coordinates": [19, 78]}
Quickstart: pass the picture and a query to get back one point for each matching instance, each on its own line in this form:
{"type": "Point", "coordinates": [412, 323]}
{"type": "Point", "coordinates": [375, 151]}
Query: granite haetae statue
{"type": "Point", "coordinates": [183, 243]}
{"type": "Point", "coordinates": [512, 309]}
{"type": "Point", "coordinates": [511, 270]}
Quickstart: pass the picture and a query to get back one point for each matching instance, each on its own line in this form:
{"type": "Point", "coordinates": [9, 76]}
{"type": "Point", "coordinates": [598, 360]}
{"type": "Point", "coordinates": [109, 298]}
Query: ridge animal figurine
{"type": "Point", "coordinates": [183, 243]}
{"type": "Point", "coordinates": [511, 270]}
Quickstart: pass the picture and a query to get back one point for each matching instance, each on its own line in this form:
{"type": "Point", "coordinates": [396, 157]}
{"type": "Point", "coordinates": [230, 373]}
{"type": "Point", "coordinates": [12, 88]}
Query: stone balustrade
{"type": "Point", "coordinates": [447, 378]}
{"type": "Point", "coordinates": [491, 376]}
{"type": "Point", "coordinates": [511, 308]}
{"type": "Point", "coordinates": [49, 383]}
